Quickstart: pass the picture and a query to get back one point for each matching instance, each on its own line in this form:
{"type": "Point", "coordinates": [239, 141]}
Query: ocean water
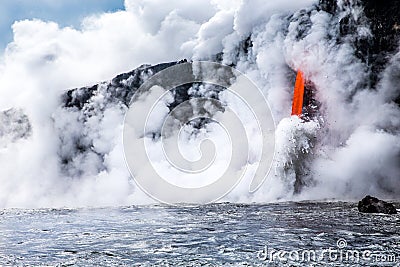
{"type": "Point", "coordinates": [225, 234]}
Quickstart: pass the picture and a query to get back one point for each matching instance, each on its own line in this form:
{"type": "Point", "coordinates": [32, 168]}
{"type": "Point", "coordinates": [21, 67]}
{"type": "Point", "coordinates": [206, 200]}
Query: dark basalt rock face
{"type": "Point", "coordinates": [85, 109]}
{"type": "Point", "coordinates": [373, 205]}
{"type": "Point", "coordinates": [383, 19]}
{"type": "Point", "coordinates": [120, 89]}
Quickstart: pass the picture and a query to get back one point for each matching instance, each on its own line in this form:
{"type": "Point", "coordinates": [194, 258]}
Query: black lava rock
{"type": "Point", "coordinates": [383, 18]}
{"type": "Point", "coordinates": [373, 205]}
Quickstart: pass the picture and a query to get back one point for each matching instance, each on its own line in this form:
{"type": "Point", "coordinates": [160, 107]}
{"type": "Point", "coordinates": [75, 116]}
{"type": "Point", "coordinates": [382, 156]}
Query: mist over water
{"type": "Point", "coordinates": [352, 147]}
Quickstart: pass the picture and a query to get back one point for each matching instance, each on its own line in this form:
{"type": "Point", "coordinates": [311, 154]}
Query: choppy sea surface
{"type": "Point", "coordinates": [284, 234]}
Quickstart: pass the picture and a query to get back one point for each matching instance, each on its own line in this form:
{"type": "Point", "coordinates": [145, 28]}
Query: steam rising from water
{"type": "Point", "coordinates": [352, 149]}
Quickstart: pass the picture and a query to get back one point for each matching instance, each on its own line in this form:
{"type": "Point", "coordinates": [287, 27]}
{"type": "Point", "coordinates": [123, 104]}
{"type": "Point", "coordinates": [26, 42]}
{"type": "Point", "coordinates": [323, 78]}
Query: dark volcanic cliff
{"type": "Point", "coordinates": [383, 18]}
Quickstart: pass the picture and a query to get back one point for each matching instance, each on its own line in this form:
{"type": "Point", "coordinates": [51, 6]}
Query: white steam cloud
{"type": "Point", "coordinates": [352, 151]}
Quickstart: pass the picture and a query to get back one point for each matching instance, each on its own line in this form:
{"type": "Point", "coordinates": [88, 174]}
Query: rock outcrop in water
{"type": "Point", "coordinates": [373, 205]}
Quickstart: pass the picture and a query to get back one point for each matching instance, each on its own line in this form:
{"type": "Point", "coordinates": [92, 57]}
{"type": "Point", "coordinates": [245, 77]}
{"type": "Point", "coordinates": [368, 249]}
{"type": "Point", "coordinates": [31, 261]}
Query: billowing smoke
{"type": "Point", "coordinates": [71, 155]}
